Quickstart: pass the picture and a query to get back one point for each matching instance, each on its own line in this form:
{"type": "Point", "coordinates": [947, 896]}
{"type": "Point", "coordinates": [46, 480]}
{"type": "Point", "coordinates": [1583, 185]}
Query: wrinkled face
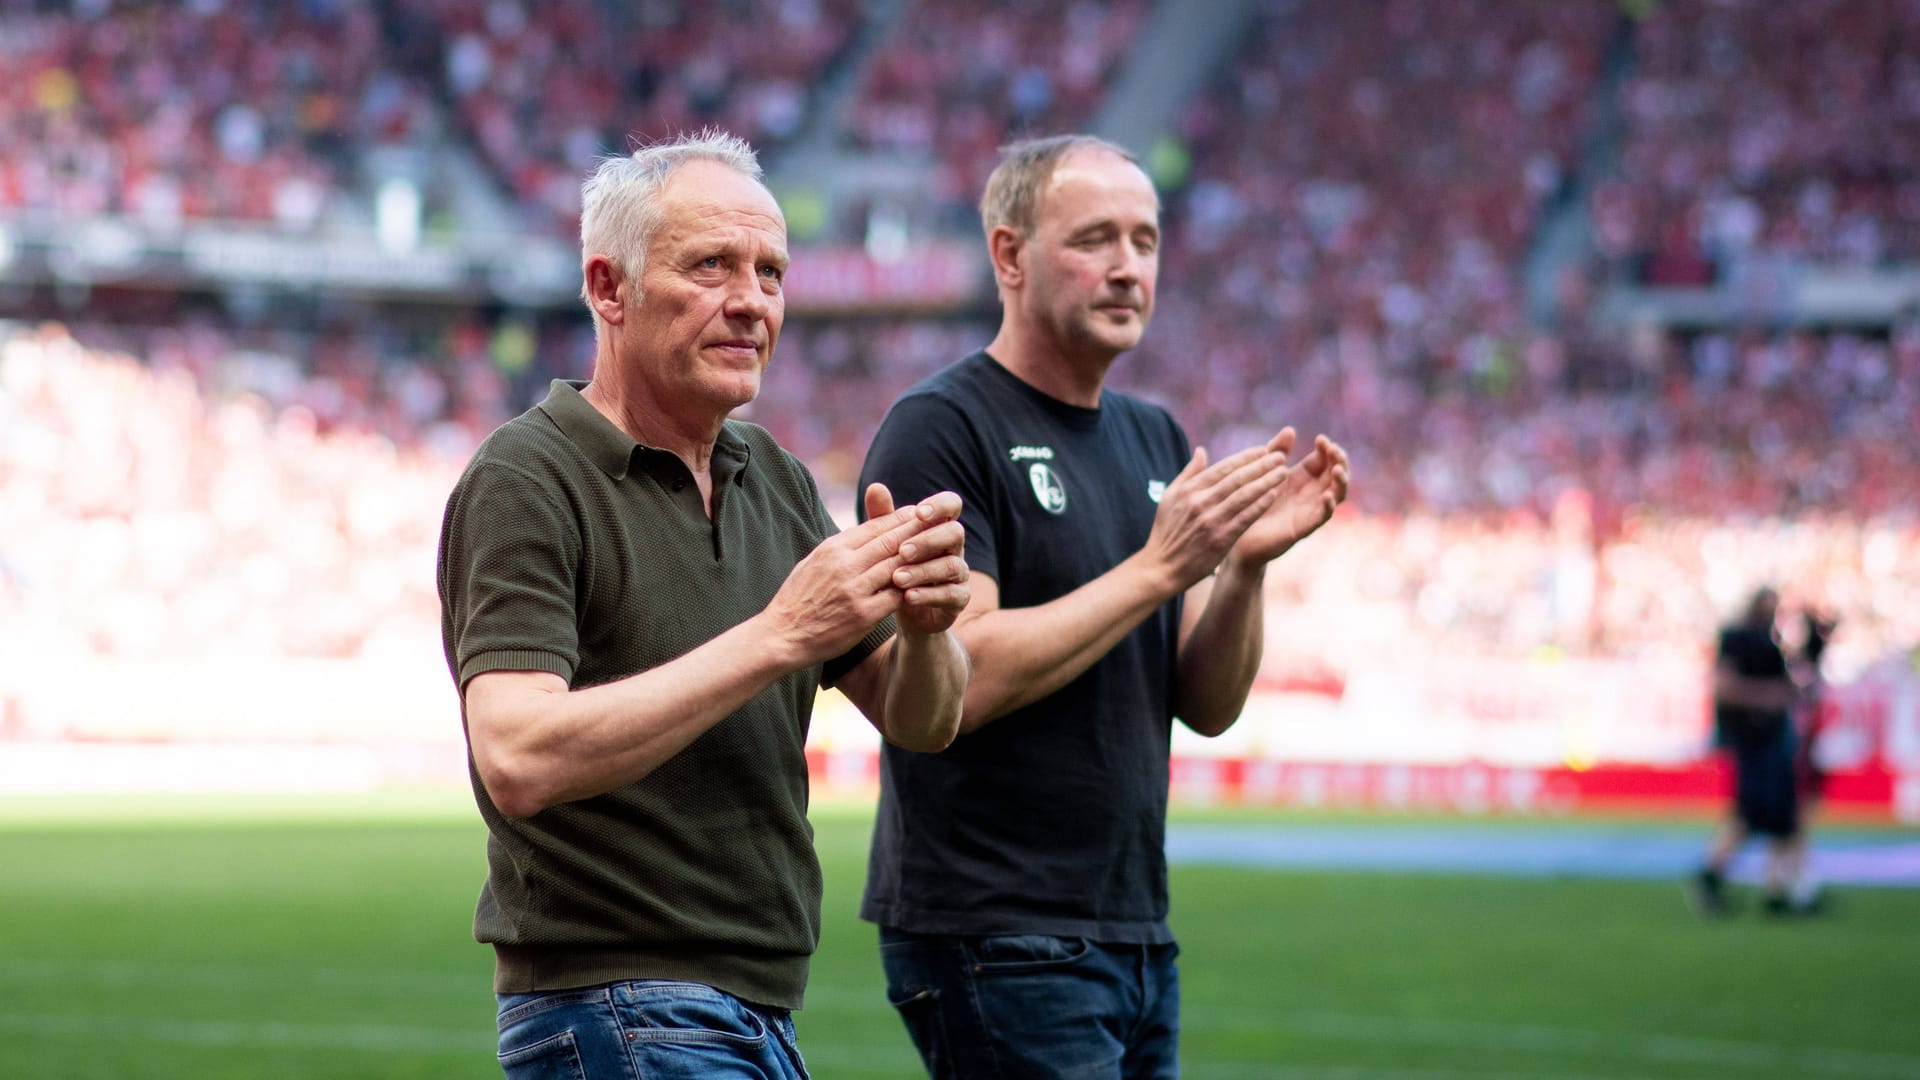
{"type": "Point", "coordinates": [1094, 254]}
{"type": "Point", "coordinates": [710, 303]}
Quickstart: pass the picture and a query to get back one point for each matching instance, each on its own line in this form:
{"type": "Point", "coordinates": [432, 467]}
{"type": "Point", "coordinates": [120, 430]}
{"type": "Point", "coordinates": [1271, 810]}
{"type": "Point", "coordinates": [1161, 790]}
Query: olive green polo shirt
{"type": "Point", "coordinates": [569, 548]}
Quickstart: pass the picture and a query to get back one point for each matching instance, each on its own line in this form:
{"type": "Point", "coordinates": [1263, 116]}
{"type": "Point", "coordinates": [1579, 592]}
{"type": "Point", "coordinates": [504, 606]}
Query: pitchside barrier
{"type": "Point", "coordinates": [1496, 735]}
{"type": "Point", "coordinates": [1487, 735]}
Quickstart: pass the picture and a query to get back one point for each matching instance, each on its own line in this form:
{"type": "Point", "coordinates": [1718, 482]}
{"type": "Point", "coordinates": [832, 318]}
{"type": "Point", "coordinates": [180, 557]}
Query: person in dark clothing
{"type": "Point", "coordinates": [1811, 776]}
{"type": "Point", "coordinates": [1019, 878]}
{"type": "Point", "coordinates": [1755, 692]}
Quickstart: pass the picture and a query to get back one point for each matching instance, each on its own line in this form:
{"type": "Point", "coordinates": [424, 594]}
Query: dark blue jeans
{"type": "Point", "coordinates": [1030, 1006]}
{"type": "Point", "coordinates": [655, 1029]}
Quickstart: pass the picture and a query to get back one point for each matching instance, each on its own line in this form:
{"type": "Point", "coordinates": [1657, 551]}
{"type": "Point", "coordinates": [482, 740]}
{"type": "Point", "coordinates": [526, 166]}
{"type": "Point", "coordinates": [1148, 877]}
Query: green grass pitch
{"type": "Point", "coordinates": [302, 938]}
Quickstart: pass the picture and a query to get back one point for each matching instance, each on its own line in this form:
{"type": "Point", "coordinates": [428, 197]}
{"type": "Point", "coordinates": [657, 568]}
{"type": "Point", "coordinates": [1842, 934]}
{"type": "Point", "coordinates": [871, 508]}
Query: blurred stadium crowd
{"type": "Point", "coordinates": [1355, 208]}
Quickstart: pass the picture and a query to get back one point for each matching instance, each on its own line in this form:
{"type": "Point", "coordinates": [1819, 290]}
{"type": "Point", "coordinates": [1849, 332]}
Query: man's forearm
{"type": "Point", "coordinates": [1221, 654]}
{"type": "Point", "coordinates": [538, 743]}
{"type": "Point", "coordinates": [926, 690]}
{"type": "Point", "coordinates": [1023, 654]}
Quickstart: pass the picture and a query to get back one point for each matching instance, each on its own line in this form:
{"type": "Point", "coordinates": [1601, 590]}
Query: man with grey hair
{"type": "Point", "coordinates": [639, 600]}
{"type": "Point", "coordinates": [1019, 878]}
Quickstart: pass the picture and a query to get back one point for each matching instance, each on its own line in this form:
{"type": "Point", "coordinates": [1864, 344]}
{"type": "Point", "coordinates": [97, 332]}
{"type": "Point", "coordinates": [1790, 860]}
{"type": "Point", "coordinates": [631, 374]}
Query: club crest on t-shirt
{"type": "Point", "coordinates": [1047, 488]}
{"type": "Point", "coordinates": [1155, 489]}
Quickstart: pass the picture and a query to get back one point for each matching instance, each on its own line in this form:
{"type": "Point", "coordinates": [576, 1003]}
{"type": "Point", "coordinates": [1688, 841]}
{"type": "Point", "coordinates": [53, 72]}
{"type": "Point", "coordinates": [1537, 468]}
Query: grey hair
{"type": "Point", "coordinates": [620, 201]}
{"type": "Point", "coordinates": [1013, 189]}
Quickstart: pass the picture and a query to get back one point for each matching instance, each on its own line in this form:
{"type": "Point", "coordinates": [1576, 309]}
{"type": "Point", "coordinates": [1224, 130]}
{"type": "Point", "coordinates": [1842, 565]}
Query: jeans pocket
{"type": "Point", "coordinates": [664, 1012]}
{"type": "Point", "coordinates": [1027, 952]}
{"type": "Point", "coordinates": [548, 1036]}
{"type": "Point", "coordinates": [556, 1057]}
{"type": "Point", "coordinates": [919, 1009]}
{"type": "Point", "coordinates": [691, 1032]}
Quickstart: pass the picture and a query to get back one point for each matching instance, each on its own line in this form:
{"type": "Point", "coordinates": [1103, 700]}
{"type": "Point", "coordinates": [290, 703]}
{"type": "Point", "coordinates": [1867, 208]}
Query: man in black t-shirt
{"type": "Point", "coordinates": [1019, 877]}
{"type": "Point", "coordinates": [1754, 693]}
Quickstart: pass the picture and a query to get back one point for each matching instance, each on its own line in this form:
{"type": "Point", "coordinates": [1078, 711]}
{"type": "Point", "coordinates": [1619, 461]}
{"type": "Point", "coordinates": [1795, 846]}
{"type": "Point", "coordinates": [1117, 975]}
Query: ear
{"type": "Point", "coordinates": [1005, 246]}
{"type": "Point", "coordinates": [604, 278]}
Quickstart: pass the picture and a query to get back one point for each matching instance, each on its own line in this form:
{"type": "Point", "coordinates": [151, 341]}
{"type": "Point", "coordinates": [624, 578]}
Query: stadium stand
{"type": "Point", "coordinates": [1359, 209]}
{"type": "Point", "coordinates": [245, 110]}
{"type": "Point", "coordinates": [959, 80]}
{"type": "Point", "coordinates": [1764, 133]}
{"type": "Point", "coordinates": [543, 93]}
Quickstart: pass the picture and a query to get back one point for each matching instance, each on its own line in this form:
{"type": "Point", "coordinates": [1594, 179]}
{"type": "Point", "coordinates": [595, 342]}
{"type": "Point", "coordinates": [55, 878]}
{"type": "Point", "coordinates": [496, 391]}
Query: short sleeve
{"type": "Point", "coordinates": [925, 445]}
{"type": "Point", "coordinates": [510, 552]}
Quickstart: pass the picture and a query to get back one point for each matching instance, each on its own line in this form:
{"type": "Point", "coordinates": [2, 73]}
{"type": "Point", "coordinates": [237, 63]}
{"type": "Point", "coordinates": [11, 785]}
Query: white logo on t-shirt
{"type": "Point", "coordinates": [1155, 489]}
{"type": "Point", "coordinates": [1030, 453]}
{"type": "Point", "coordinates": [1047, 488]}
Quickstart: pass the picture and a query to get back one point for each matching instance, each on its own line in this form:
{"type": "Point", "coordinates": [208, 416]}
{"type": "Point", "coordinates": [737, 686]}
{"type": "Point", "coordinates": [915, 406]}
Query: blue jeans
{"type": "Point", "coordinates": [655, 1029]}
{"type": "Point", "coordinates": [1031, 1006]}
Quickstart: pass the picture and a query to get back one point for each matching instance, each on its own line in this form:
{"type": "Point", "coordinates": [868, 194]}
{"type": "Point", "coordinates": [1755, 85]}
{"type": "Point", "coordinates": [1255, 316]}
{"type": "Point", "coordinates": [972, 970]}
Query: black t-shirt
{"type": "Point", "coordinates": [1754, 655]}
{"type": "Point", "coordinates": [1051, 819]}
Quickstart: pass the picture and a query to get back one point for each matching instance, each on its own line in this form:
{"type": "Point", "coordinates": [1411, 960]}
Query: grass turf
{"type": "Point", "coordinates": [299, 938]}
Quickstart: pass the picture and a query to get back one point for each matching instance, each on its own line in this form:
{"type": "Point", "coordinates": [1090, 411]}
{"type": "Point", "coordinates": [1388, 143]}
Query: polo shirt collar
{"type": "Point", "coordinates": [731, 454]}
{"type": "Point", "coordinates": [611, 449]}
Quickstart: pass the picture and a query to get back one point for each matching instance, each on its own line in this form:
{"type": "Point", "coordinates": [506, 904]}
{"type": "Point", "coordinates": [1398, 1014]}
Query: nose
{"type": "Point", "coordinates": [1125, 267]}
{"type": "Point", "coordinates": [746, 299]}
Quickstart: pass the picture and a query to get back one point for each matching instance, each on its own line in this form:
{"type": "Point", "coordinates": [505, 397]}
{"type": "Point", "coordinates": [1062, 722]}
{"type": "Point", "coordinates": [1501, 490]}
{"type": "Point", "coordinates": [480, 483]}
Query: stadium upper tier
{"type": "Point", "coordinates": [167, 113]}
{"type": "Point", "coordinates": [1361, 210]}
{"type": "Point", "coordinates": [1412, 134]}
{"type": "Point", "coordinates": [1761, 132]}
